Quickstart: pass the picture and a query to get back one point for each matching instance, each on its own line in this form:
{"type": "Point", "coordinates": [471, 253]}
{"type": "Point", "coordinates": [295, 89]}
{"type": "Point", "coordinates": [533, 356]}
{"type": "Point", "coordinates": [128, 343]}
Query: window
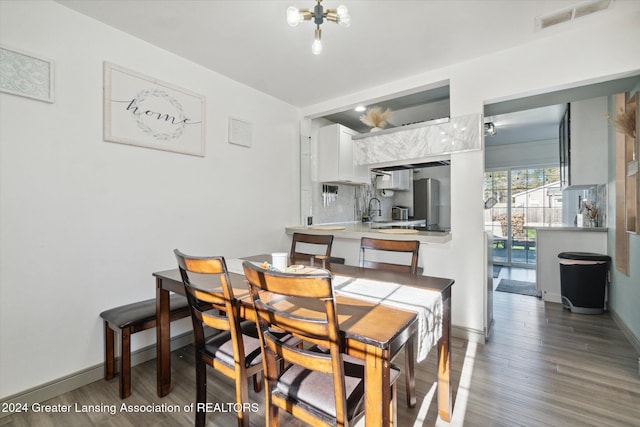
{"type": "Point", "coordinates": [526, 199]}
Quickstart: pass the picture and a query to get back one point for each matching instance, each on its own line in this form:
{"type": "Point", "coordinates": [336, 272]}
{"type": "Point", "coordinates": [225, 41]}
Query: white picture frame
{"type": "Point", "coordinates": [146, 112]}
{"type": "Point", "coordinates": [239, 132]}
{"type": "Point", "coordinates": [26, 74]}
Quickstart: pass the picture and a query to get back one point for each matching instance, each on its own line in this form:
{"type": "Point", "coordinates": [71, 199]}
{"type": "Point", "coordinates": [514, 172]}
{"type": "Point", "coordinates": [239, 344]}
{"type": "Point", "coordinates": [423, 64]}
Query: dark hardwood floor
{"type": "Point", "coordinates": [543, 366]}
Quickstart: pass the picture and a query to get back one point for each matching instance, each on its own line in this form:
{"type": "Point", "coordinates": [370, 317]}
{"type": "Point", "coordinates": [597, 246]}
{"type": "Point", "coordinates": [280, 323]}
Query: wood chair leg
{"type": "Point", "coordinates": [257, 383]}
{"type": "Point", "coordinates": [393, 405]}
{"type": "Point", "coordinates": [242, 396]}
{"type": "Point", "coordinates": [409, 371]}
{"type": "Point", "coordinates": [201, 391]}
{"type": "Point", "coordinates": [109, 352]}
{"type": "Point", "coordinates": [125, 363]}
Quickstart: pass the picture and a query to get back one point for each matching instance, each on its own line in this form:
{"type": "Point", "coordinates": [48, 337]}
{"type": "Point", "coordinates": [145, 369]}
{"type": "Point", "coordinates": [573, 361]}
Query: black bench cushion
{"type": "Point", "coordinates": [140, 311]}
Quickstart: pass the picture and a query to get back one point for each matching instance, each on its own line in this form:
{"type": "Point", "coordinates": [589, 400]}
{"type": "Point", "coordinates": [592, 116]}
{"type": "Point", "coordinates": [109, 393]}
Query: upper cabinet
{"type": "Point", "coordinates": [335, 157]}
{"type": "Point", "coordinates": [394, 180]}
{"type": "Point", "coordinates": [588, 130]}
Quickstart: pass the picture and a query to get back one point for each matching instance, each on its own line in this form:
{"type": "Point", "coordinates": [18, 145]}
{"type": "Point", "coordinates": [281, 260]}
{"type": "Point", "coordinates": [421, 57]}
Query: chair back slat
{"type": "Point", "coordinates": [307, 359]}
{"type": "Point", "coordinates": [313, 285]}
{"type": "Point", "coordinates": [309, 328]}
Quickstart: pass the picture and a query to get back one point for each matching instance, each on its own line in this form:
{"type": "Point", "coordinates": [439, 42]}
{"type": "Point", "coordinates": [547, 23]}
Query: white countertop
{"type": "Point", "coordinates": [568, 228]}
{"type": "Point", "coordinates": [357, 230]}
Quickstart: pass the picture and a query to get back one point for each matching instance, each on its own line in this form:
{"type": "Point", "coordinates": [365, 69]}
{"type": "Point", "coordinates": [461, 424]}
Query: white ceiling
{"type": "Point", "coordinates": [250, 41]}
{"type": "Point", "coordinates": [537, 124]}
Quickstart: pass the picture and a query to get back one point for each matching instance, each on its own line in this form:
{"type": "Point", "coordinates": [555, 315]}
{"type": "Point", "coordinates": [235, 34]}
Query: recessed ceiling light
{"type": "Point", "coordinates": [360, 108]}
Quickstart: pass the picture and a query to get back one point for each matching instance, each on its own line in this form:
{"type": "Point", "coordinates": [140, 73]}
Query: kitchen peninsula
{"type": "Point", "coordinates": [392, 230]}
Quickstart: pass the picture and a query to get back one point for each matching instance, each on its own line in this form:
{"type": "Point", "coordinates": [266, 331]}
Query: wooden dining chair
{"type": "Point", "coordinates": [321, 388]}
{"type": "Point", "coordinates": [369, 247]}
{"type": "Point", "coordinates": [321, 245]}
{"type": "Point", "coordinates": [235, 350]}
{"type": "Point", "coordinates": [317, 245]}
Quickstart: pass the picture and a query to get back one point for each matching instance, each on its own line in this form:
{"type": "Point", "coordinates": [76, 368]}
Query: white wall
{"type": "Point", "coordinates": [590, 51]}
{"type": "Point", "coordinates": [85, 222]}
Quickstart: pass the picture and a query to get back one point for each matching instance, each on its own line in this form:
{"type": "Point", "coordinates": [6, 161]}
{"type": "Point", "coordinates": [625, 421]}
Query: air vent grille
{"type": "Point", "coordinates": [567, 15]}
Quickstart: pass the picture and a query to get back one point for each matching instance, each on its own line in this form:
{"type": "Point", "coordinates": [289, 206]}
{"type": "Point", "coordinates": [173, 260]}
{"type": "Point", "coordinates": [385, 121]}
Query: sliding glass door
{"type": "Point", "coordinates": [518, 201]}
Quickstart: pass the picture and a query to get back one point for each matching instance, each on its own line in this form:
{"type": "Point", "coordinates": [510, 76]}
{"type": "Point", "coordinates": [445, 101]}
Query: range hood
{"type": "Point", "coordinates": [418, 145]}
{"type": "Point", "coordinates": [412, 166]}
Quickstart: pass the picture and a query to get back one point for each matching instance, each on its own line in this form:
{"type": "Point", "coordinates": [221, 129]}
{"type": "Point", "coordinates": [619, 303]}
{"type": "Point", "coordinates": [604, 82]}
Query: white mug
{"type": "Point", "coordinates": [279, 260]}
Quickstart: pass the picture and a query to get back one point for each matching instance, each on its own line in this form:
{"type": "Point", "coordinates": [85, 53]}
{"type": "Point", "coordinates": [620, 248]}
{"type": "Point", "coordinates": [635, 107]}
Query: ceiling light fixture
{"type": "Point", "coordinates": [360, 108]}
{"type": "Point", "coordinates": [340, 16]}
{"type": "Point", "coordinates": [489, 129]}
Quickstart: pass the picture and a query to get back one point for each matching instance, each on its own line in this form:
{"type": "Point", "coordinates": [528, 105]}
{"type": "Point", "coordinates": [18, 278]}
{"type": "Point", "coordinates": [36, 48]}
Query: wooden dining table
{"type": "Point", "coordinates": [372, 332]}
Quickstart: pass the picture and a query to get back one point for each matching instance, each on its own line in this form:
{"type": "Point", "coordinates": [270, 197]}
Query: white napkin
{"type": "Point", "coordinates": [427, 304]}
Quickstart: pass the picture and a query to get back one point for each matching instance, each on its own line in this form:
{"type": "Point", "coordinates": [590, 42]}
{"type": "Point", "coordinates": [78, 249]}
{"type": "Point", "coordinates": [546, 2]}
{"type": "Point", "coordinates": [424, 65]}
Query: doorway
{"type": "Point", "coordinates": [522, 200]}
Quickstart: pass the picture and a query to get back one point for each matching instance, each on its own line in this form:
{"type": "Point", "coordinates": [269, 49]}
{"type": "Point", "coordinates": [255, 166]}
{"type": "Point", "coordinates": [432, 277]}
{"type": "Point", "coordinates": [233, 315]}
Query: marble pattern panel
{"type": "Point", "coordinates": [459, 134]}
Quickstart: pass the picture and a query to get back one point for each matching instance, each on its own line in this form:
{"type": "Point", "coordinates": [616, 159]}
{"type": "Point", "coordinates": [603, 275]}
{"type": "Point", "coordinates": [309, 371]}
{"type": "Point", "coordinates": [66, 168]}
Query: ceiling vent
{"type": "Point", "coordinates": [575, 12]}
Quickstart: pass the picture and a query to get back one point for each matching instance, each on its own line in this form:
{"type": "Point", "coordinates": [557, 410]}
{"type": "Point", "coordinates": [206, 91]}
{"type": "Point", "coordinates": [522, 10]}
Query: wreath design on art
{"type": "Point", "coordinates": [160, 136]}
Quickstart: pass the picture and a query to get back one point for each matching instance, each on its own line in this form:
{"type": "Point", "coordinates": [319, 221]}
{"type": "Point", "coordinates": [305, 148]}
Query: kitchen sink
{"type": "Point", "coordinates": [392, 223]}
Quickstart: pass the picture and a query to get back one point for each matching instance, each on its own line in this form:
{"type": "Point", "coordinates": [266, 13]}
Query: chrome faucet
{"type": "Point", "coordinates": [379, 210]}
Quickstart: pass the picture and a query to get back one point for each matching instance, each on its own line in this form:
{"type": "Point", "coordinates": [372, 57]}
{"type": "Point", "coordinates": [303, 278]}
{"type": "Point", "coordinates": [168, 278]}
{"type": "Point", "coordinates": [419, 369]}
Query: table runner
{"type": "Point", "coordinates": [425, 303]}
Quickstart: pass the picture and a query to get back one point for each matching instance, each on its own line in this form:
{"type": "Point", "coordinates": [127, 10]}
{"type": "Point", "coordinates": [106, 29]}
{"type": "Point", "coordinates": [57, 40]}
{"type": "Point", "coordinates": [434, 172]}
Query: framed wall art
{"type": "Point", "coordinates": [239, 132]}
{"type": "Point", "coordinates": [143, 111]}
{"type": "Point", "coordinates": [26, 74]}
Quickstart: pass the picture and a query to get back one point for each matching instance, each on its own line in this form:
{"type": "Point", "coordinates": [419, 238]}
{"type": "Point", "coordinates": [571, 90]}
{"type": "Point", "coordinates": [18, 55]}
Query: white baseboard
{"type": "Point", "coordinates": [633, 339]}
{"type": "Point", "coordinates": [86, 376]}
{"type": "Point", "coordinates": [549, 297]}
{"type": "Point", "coordinates": [468, 334]}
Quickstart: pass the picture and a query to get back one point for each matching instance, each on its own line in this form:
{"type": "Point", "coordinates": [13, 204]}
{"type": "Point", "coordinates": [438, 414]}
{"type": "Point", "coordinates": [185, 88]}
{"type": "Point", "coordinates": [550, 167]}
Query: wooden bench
{"type": "Point", "coordinates": [127, 320]}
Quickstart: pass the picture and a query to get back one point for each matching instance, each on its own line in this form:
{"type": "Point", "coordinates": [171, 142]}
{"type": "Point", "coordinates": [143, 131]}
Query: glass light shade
{"type": "Point", "coordinates": [345, 21]}
{"type": "Point", "coordinates": [293, 16]}
{"type": "Point", "coordinates": [344, 18]}
{"type": "Point", "coordinates": [342, 10]}
{"type": "Point", "coordinates": [316, 47]}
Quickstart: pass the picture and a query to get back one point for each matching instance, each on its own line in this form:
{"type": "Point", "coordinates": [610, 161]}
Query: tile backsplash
{"type": "Point", "coordinates": [339, 209]}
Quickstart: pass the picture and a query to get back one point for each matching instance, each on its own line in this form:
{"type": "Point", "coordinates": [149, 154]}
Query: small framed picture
{"type": "Point", "coordinates": [239, 132]}
{"type": "Point", "coordinates": [26, 74]}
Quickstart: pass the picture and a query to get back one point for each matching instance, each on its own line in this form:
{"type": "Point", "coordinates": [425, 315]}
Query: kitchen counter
{"type": "Point", "coordinates": [357, 230]}
{"type": "Point", "coordinates": [568, 228]}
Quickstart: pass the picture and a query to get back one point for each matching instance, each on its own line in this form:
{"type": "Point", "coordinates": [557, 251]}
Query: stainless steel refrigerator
{"type": "Point", "coordinates": [426, 200]}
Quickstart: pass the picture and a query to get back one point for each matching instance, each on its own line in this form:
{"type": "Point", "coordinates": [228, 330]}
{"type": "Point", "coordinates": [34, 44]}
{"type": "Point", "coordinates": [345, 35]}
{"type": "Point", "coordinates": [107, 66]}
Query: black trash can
{"type": "Point", "coordinates": [583, 281]}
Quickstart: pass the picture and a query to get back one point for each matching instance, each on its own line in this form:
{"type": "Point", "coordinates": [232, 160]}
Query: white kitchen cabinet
{"type": "Point", "coordinates": [394, 180]}
{"type": "Point", "coordinates": [335, 157]}
{"type": "Point", "coordinates": [587, 150]}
